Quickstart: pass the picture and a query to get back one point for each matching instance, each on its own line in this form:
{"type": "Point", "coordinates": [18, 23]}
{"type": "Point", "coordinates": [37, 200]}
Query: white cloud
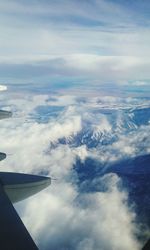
{"type": "Point", "coordinates": [140, 83]}
{"type": "Point", "coordinates": [102, 127]}
{"type": "Point", "coordinates": [91, 221]}
{"type": "Point", "coordinates": [67, 218]}
{"type": "Point", "coordinates": [3, 87]}
{"type": "Point", "coordinates": [102, 69]}
{"type": "Point", "coordinates": [81, 152]}
{"type": "Point", "coordinates": [58, 40]}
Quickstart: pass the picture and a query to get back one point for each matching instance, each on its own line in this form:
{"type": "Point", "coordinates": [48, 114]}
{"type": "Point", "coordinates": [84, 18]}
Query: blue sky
{"type": "Point", "coordinates": [99, 41]}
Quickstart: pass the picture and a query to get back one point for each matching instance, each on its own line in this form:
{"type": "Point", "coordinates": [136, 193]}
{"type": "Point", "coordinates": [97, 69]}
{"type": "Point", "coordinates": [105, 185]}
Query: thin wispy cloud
{"type": "Point", "coordinates": [35, 31]}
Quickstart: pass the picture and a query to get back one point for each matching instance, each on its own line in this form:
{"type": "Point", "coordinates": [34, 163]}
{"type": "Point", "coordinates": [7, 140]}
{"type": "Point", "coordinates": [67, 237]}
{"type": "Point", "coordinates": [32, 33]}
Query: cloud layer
{"type": "Point", "coordinates": [68, 218]}
{"type": "Point", "coordinates": [45, 41]}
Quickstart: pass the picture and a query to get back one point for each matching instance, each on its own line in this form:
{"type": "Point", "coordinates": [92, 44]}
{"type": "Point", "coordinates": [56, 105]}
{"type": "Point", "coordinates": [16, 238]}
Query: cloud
{"type": "Point", "coordinates": [67, 217]}
{"type": "Point", "coordinates": [140, 83]}
{"type": "Point", "coordinates": [120, 144]}
{"type": "Point", "coordinates": [91, 43]}
{"type": "Point", "coordinates": [15, 134]}
{"type": "Point", "coordinates": [94, 68]}
{"type": "Point", "coordinates": [73, 38]}
{"type": "Point", "coordinates": [77, 124]}
{"type": "Point", "coordinates": [3, 87]}
{"type": "Point", "coordinates": [102, 12]}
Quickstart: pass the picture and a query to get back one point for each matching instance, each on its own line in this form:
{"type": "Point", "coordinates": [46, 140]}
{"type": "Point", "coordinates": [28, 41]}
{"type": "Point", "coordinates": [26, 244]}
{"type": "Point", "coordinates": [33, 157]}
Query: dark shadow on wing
{"type": "Point", "coordinates": [5, 114]}
{"type": "Point", "coordinates": [13, 234]}
{"type": "Point", "coordinates": [147, 245]}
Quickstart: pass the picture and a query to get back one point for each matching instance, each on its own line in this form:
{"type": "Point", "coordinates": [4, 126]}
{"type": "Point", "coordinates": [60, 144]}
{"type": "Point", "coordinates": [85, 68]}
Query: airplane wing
{"type": "Point", "coordinates": [13, 188]}
{"type": "Point", "coordinates": [5, 114]}
{"type": "Point", "coordinates": [13, 234]}
{"type": "Point", "coordinates": [2, 156]}
{"type": "Point", "coordinates": [146, 246]}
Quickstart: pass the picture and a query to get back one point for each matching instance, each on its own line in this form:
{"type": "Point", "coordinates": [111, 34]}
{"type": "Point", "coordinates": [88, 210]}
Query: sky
{"type": "Point", "coordinates": [72, 71]}
{"type": "Point", "coordinates": [90, 41]}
